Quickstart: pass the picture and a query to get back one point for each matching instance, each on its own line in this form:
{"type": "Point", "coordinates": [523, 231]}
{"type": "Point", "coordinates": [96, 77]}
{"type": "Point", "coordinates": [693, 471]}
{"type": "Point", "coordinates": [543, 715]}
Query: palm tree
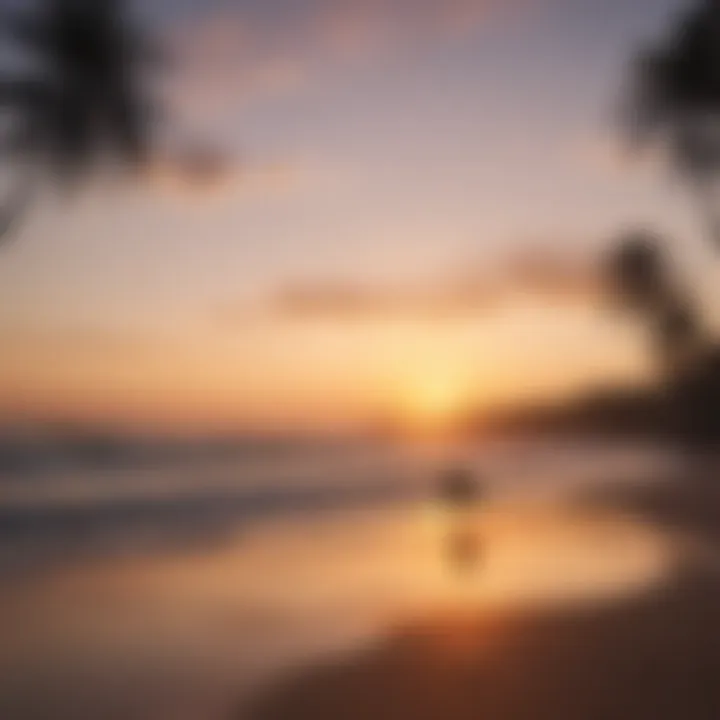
{"type": "Point", "coordinates": [640, 279]}
{"type": "Point", "coordinates": [679, 337]}
{"type": "Point", "coordinates": [85, 102]}
{"type": "Point", "coordinates": [688, 361]}
{"type": "Point", "coordinates": [636, 272]}
{"type": "Point", "coordinates": [675, 100]}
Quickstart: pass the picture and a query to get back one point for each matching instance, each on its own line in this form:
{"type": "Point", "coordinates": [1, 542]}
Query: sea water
{"type": "Point", "coordinates": [176, 590]}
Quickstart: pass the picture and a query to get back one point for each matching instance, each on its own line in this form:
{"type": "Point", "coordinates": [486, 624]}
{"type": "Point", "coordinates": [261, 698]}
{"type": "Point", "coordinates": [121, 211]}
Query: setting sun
{"type": "Point", "coordinates": [433, 404]}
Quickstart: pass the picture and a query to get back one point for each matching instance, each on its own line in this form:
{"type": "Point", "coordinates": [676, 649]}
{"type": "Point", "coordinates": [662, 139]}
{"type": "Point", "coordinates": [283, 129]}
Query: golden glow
{"type": "Point", "coordinates": [433, 403]}
{"type": "Point", "coordinates": [416, 380]}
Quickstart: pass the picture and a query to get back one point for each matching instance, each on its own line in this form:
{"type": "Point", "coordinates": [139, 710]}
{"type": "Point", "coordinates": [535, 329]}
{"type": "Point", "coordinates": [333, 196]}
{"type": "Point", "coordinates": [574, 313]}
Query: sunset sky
{"type": "Point", "coordinates": [417, 192]}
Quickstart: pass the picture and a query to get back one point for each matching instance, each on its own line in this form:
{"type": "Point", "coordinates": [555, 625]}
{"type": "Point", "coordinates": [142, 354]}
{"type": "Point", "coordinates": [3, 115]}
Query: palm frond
{"type": "Point", "coordinates": [25, 95]}
{"type": "Point", "coordinates": [89, 102]}
{"type": "Point", "coordinates": [26, 29]}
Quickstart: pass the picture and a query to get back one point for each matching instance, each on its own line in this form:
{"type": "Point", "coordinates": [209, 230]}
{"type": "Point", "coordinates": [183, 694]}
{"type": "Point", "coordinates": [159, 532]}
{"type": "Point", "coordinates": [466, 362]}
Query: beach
{"type": "Point", "coordinates": [190, 599]}
{"type": "Point", "coordinates": [359, 360]}
{"type": "Point", "coordinates": [651, 656]}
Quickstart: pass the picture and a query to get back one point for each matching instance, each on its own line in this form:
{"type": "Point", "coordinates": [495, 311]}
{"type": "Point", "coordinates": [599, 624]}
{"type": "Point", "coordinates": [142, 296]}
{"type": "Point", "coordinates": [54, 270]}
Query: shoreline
{"type": "Point", "coordinates": [653, 656]}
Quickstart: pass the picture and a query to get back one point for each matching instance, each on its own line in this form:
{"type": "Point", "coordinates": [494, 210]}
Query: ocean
{"type": "Point", "coordinates": [176, 589]}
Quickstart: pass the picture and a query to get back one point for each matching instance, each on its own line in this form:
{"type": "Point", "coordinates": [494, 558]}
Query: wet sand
{"type": "Point", "coordinates": [248, 628]}
{"type": "Point", "coordinates": [654, 656]}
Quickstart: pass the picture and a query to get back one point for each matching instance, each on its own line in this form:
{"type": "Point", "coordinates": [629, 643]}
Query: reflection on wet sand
{"type": "Point", "coordinates": [190, 636]}
{"type": "Point", "coordinates": [651, 655]}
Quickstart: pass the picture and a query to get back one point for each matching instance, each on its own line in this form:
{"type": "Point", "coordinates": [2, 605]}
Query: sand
{"type": "Point", "coordinates": [653, 656]}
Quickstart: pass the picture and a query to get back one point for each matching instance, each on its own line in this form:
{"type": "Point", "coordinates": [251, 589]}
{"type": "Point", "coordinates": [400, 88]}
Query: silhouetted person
{"type": "Point", "coordinates": [460, 493]}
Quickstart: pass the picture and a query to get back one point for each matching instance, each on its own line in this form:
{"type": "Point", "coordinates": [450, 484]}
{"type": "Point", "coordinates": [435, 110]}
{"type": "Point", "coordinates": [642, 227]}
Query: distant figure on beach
{"type": "Point", "coordinates": [460, 492]}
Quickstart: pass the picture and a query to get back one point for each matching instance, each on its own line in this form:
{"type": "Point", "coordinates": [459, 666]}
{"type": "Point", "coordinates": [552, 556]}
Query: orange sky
{"type": "Point", "coordinates": [417, 198]}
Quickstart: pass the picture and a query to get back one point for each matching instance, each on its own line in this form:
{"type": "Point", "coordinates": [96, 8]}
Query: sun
{"type": "Point", "coordinates": [433, 404]}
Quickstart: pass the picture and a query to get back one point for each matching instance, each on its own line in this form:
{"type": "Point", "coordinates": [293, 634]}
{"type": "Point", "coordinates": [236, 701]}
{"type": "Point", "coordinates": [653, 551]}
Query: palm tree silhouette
{"type": "Point", "coordinates": [688, 358]}
{"type": "Point", "coordinates": [640, 278]}
{"type": "Point", "coordinates": [675, 101]}
{"type": "Point", "coordinates": [636, 271]}
{"type": "Point", "coordinates": [86, 102]}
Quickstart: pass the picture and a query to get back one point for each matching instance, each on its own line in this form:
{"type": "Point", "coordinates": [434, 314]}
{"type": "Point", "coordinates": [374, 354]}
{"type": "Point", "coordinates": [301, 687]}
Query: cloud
{"type": "Point", "coordinates": [199, 168]}
{"type": "Point", "coordinates": [350, 28]}
{"type": "Point", "coordinates": [338, 300]}
{"type": "Point", "coordinates": [540, 275]}
{"type": "Point", "coordinates": [49, 342]}
{"type": "Point", "coordinates": [237, 52]}
{"type": "Point", "coordinates": [552, 275]}
{"type": "Point", "coordinates": [196, 176]}
{"type": "Point", "coordinates": [607, 155]}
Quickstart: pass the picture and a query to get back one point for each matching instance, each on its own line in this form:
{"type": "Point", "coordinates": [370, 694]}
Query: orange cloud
{"type": "Point", "coordinates": [337, 300]}
{"type": "Point", "coordinates": [553, 276]}
{"type": "Point", "coordinates": [538, 274]}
